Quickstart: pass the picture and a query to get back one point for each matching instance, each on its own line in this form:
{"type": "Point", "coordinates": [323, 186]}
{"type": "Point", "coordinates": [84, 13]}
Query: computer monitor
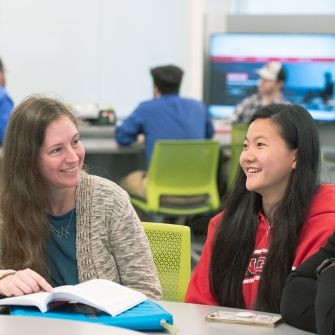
{"type": "Point", "coordinates": [308, 59]}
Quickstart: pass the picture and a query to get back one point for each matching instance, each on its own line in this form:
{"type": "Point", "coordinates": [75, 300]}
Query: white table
{"type": "Point", "coordinates": [18, 325]}
{"type": "Point", "coordinates": [190, 320]}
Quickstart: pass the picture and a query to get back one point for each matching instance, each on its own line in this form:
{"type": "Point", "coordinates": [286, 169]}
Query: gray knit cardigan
{"type": "Point", "coordinates": [111, 242]}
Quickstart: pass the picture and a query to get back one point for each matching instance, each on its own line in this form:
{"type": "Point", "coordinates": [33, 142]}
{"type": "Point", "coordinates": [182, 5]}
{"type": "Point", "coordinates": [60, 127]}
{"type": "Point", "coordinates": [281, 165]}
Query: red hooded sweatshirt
{"type": "Point", "coordinates": [319, 226]}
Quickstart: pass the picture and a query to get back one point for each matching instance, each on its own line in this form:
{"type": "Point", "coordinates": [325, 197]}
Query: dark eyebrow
{"type": "Point", "coordinates": [58, 144]}
{"type": "Point", "coordinates": [257, 138]}
{"type": "Point", "coordinates": [261, 137]}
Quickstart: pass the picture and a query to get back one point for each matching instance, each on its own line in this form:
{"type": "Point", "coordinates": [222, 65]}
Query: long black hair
{"type": "Point", "coordinates": [235, 235]}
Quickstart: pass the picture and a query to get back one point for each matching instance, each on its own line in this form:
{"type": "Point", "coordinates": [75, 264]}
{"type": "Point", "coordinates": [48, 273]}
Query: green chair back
{"type": "Point", "coordinates": [171, 249]}
{"type": "Point", "coordinates": [238, 132]}
{"type": "Point", "coordinates": [182, 168]}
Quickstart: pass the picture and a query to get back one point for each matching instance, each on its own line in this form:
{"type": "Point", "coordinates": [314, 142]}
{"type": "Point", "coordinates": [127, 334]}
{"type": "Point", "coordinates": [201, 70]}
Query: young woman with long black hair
{"type": "Point", "coordinates": [276, 216]}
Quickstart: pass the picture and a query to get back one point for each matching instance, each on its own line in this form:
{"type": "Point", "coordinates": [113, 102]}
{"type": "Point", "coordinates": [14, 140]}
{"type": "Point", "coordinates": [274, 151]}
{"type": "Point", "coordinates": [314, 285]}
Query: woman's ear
{"type": "Point", "coordinates": [294, 163]}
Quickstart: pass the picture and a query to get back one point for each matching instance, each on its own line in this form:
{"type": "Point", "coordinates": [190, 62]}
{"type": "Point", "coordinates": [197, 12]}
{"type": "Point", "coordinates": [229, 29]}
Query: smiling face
{"type": "Point", "coordinates": [61, 155]}
{"type": "Point", "coordinates": [266, 160]}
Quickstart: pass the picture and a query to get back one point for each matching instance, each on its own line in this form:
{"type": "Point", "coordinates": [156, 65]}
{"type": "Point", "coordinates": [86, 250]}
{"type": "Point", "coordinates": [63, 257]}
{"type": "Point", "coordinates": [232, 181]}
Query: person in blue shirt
{"type": "Point", "coordinates": [167, 116]}
{"type": "Point", "coordinates": [6, 103]}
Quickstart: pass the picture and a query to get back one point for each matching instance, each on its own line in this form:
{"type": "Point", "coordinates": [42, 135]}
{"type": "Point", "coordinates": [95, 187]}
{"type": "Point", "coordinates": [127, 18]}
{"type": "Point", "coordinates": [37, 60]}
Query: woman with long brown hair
{"type": "Point", "coordinates": [60, 225]}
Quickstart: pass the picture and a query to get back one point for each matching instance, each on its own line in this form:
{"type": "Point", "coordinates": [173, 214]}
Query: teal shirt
{"type": "Point", "coordinates": [61, 250]}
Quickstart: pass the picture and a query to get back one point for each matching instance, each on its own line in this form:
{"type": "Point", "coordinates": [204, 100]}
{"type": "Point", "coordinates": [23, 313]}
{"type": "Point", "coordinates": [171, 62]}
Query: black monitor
{"type": "Point", "coordinates": [308, 59]}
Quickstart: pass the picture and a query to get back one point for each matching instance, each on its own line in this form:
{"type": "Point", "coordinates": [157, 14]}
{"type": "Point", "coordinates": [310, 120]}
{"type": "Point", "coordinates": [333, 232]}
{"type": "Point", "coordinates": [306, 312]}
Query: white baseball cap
{"type": "Point", "coordinates": [271, 71]}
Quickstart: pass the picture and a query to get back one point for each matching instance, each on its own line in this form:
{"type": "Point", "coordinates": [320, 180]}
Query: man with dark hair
{"type": "Point", "coordinates": [165, 117]}
{"type": "Point", "coordinates": [271, 82]}
{"type": "Point", "coordinates": [167, 79]}
{"type": "Point", "coordinates": [6, 103]}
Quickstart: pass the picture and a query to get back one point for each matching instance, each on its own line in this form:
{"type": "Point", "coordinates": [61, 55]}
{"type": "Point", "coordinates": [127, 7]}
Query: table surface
{"type": "Point", "coordinates": [109, 146]}
{"type": "Point", "coordinates": [190, 319]}
{"type": "Point", "coordinates": [101, 140]}
{"type": "Point", "coordinates": [18, 325]}
{"type": "Point", "coordinates": [97, 131]}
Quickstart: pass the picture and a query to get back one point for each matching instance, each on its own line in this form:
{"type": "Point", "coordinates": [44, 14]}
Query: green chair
{"type": "Point", "coordinates": [238, 132]}
{"type": "Point", "coordinates": [171, 249]}
{"type": "Point", "coordinates": [183, 169]}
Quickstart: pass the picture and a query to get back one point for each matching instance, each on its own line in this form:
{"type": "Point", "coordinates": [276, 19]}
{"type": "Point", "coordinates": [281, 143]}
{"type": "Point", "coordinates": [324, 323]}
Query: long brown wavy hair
{"type": "Point", "coordinates": [23, 201]}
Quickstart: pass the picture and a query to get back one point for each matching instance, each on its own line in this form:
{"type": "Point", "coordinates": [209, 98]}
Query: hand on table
{"type": "Point", "coordinates": [23, 282]}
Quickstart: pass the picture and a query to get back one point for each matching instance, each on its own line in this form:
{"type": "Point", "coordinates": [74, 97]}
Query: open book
{"type": "Point", "coordinates": [102, 294]}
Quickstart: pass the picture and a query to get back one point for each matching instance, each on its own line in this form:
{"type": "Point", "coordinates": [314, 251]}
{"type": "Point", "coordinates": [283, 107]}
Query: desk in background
{"type": "Point", "coordinates": [89, 131]}
{"type": "Point", "coordinates": [105, 158]}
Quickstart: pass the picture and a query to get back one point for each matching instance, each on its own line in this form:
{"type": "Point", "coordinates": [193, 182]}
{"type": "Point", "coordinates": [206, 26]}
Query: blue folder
{"type": "Point", "coordinates": [148, 315]}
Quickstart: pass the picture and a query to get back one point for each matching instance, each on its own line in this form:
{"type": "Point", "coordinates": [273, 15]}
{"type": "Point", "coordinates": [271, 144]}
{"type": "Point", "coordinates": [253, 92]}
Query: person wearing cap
{"type": "Point", "coordinates": [167, 116]}
{"type": "Point", "coordinates": [6, 103]}
{"type": "Point", "coordinates": [270, 86]}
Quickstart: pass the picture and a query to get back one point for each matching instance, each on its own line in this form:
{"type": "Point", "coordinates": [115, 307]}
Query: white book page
{"type": "Point", "coordinates": [106, 295]}
{"type": "Point", "coordinates": [40, 300]}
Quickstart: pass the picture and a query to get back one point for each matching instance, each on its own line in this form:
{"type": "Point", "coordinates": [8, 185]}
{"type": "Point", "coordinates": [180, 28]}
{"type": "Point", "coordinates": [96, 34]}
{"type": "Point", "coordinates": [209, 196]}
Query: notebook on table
{"type": "Point", "coordinates": [147, 315]}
